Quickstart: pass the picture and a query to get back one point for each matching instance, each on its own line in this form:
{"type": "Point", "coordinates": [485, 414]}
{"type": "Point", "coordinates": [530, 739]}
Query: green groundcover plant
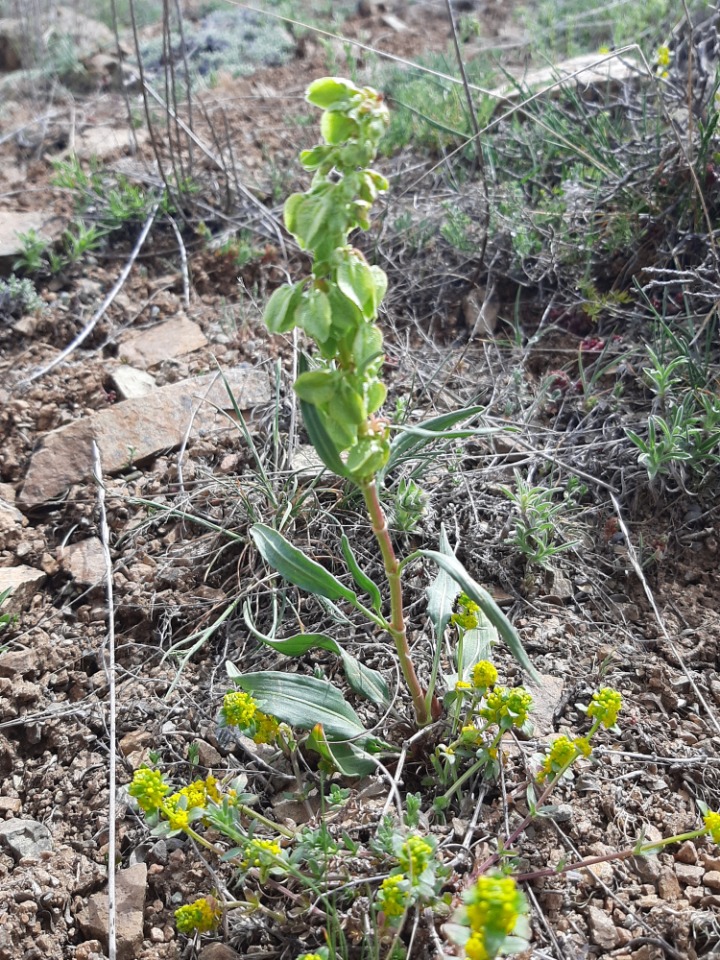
{"type": "Point", "coordinates": [341, 394]}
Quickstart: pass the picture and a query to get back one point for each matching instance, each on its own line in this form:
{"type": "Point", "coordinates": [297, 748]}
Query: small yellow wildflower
{"type": "Point", "coordinates": [203, 915]}
{"type": "Point", "coordinates": [267, 728]}
{"type": "Point", "coordinates": [712, 824]}
{"type": "Point", "coordinates": [414, 857]}
{"type": "Point", "coordinates": [178, 817]}
{"type": "Point", "coordinates": [484, 675]}
{"type": "Point", "coordinates": [663, 56]}
{"type": "Point", "coordinates": [310, 956]}
{"type": "Point", "coordinates": [604, 49]}
{"type": "Point", "coordinates": [493, 907]}
{"type": "Point", "coordinates": [605, 706]}
{"type": "Point", "coordinates": [259, 853]}
{"type": "Point", "coordinates": [583, 745]}
{"type": "Point", "coordinates": [561, 754]}
{"type": "Point", "coordinates": [461, 686]}
{"type": "Point", "coordinates": [507, 708]}
{"type": "Point", "coordinates": [393, 898]}
{"type": "Point", "coordinates": [470, 735]}
{"type": "Point", "coordinates": [467, 616]}
{"type": "Point", "coordinates": [211, 789]}
{"type": "Point", "coordinates": [148, 788]}
{"type": "Point", "coordinates": [238, 709]}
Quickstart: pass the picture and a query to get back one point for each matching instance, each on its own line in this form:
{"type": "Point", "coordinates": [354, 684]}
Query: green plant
{"type": "Point", "coordinates": [340, 397]}
{"type": "Point", "coordinates": [536, 520]}
{"type": "Point", "coordinates": [33, 258]}
{"type": "Point", "coordinates": [18, 297]}
{"type": "Point", "coordinates": [81, 240]}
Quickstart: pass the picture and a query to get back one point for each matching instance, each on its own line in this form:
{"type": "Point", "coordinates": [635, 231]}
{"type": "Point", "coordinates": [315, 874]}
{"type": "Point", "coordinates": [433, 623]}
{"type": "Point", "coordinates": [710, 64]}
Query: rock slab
{"type": "Point", "coordinates": [25, 838]}
{"type": "Point", "coordinates": [135, 430]}
{"type": "Point", "coordinates": [84, 561]}
{"type": "Point", "coordinates": [173, 338]}
{"type": "Point", "coordinates": [22, 582]}
{"type": "Point", "coordinates": [130, 886]}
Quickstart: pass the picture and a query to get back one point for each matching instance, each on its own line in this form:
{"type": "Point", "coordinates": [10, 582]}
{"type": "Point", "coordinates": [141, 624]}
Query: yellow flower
{"type": "Point", "coordinates": [462, 685]}
{"type": "Point", "coordinates": [507, 708]}
{"type": "Point", "coordinates": [393, 898]}
{"type": "Point", "coordinates": [470, 735]}
{"type": "Point", "coordinates": [583, 745]}
{"type": "Point", "coordinates": [484, 675]}
{"type": "Point", "coordinates": [605, 706]}
{"type": "Point", "coordinates": [712, 825]}
{"type": "Point", "coordinates": [415, 855]}
{"type": "Point", "coordinates": [663, 56]}
{"type": "Point", "coordinates": [238, 709]}
{"type": "Point", "coordinates": [267, 728]}
{"type": "Point", "coordinates": [211, 789]}
{"type": "Point", "coordinates": [203, 915]}
{"type": "Point", "coordinates": [493, 907]}
{"type": "Point", "coordinates": [604, 49]}
{"type": "Point", "coordinates": [260, 853]}
{"type": "Point", "coordinates": [562, 753]}
{"type": "Point", "coordinates": [178, 817]}
{"type": "Point", "coordinates": [148, 788]}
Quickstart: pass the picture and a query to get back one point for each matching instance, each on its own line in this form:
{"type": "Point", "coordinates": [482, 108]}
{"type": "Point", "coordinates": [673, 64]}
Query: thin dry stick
{"type": "Point", "coordinates": [632, 556]}
{"type": "Point", "coordinates": [183, 261]}
{"type": "Point", "coordinates": [112, 702]}
{"type": "Point", "coordinates": [100, 312]}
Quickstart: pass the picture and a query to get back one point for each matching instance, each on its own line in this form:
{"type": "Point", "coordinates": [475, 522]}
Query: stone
{"type": "Point", "coordinates": [84, 561]}
{"type": "Point", "coordinates": [669, 885]}
{"type": "Point", "coordinates": [602, 929]}
{"type": "Point", "coordinates": [25, 838]}
{"type": "Point", "coordinates": [11, 524]}
{"type": "Point", "coordinates": [23, 583]}
{"type": "Point", "coordinates": [712, 880]}
{"type": "Point", "coordinates": [689, 874]}
{"type": "Point", "coordinates": [13, 223]}
{"type": "Point", "coordinates": [130, 383]}
{"type": "Point", "coordinates": [18, 663]}
{"type": "Point", "coordinates": [395, 23]}
{"type": "Point", "coordinates": [546, 697]}
{"type": "Point", "coordinates": [207, 755]}
{"type": "Point", "coordinates": [130, 887]}
{"type": "Point", "coordinates": [218, 951]}
{"type": "Point", "coordinates": [687, 852]}
{"type": "Point", "coordinates": [135, 742]}
{"type": "Point", "coordinates": [90, 950]}
{"type": "Point", "coordinates": [135, 430]}
{"type": "Point", "coordinates": [648, 869]}
{"type": "Point", "coordinates": [10, 805]}
{"type": "Point", "coordinates": [710, 862]}
{"type": "Point", "coordinates": [173, 338]}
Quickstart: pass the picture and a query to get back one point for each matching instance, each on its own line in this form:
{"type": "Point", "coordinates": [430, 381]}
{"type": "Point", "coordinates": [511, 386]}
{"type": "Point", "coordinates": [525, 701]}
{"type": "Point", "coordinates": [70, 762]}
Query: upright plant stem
{"type": "Point", "coordinates": [397, 627]}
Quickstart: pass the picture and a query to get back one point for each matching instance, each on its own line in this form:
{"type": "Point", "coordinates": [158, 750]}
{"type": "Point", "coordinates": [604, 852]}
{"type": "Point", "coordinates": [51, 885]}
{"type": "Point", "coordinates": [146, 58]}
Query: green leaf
{"type": "Point", "coordinates": [363, 680]}
{"type": "Point", "coordinates": [344, 757]}
{"type": "Point", "coordinates": [279, 317]}
{"type": "Point", "coordinates": [314, 158]}
{"type": "Point", "coordinates": [442, 593]}
{"type": "Point", "coordinates": [345, 315]}
{"type": "Point", "coordinates": [337, 128]}
{"type": "Point", "coordinates": [316, 386]}
{"type": "Point", "coordinates": [486, 603]}
{"type": "Point", "coordinates": [329, 91]}
{"type": "Point", "coordinates": [359, 576]}
{"type": "Point", "coordinates": [292, 205]}
{"type": "Point", "coordinates": [367, 345]}
{"type": "Point", "coordinates": [355, 279]}
{"type": "Point", "coordinates": [376, 396]}
{"type": "Point", "coordinates": [321, 440]}
{"type": "Point", "coordinates": [293, 565]}
{"type": "Point", "coordinates": [303, 701]}
{"type": "Point", "coordinates": [348, 404]}
{"type": "Point", "coordinates": [313, 314]}
{"type": "Point", "coordinates": [477, 644]}
{"type": "Point", "coordinates": [411, 440]}
{"type": "Point", "coordinates": [381, 281]}
{"type": "Point", "coordinates": [366, 457]}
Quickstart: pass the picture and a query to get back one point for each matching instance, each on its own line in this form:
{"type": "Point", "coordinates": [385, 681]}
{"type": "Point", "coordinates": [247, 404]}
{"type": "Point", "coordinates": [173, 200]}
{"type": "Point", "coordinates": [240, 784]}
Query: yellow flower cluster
{"type": "Point", "coordinates": [203, 915]}
{"type": "Point", "coordinates": [484, 675]}
{"type": "Point", "coordinates": [240, 710]}
{"type": "Point", "coordinates": [415, 855]}
{"type": "Point", "coordinates": [507, 708]}
{"type": "Point", "coordinates": [260, 853]}
{"type": "Point", "coordinates": [492, 907]}
{"type": "Point", "coordinates": [467, 616]}
{"type": "Point", "coordinates": [712, 824]}
{"type": "Point", "coordinates": [148, 788]}
{"type": "Point", "coordinates": [393, 896]}
{"type": "Point", "coordinates": [605, 706]}
{"type": "Point", "coordinates": [562, 753]}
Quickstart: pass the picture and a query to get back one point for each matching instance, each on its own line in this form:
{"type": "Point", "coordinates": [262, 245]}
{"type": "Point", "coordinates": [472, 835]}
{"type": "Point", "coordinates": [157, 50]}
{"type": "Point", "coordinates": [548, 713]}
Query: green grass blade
{"type": "Point", "coordinates": [360, 577]}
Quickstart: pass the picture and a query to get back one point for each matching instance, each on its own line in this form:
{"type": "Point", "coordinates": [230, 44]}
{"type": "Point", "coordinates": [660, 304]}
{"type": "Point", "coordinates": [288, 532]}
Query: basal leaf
{"type": "Point", "coordinates": [442, 593]}
{"type": "Point", "coordinates": [304, 701]}
{"type": "Point", "coordinates": [344, 757]}
{"type": "Point", "coordinates": [412, 439]}
{"type": "Point", "coordinates": [295, 566]}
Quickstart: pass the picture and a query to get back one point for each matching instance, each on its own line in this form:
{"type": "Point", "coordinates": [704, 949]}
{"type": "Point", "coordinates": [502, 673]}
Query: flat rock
{"type": "Point", "coordinates": [84, 561]}
{"type": "Point", "coordinates": [135, 430]}
{"type": "Point", "coordinates": [602, 929]}
{"type": "Point", "coordinates": [103, 143]}
{"type": "Point", "coordinates": [690, 874]}
{"type": "Point", "coordinates": [712, 880]}
{"type": "Point", "coordinates": [130, 886]}
{"type": "Point", "coordinates": [173, 338]}
{"type": "Point", "coordinates": [13, 223]}
{"type": "Point", "coordinates": [218, 951]}
{"type": "Point", "coordinates": [10, 805]}
{"type": "Point", "coordinates": [25, 838]}
{"type": "Point", "coordinates": [18, 663]}
{"type": "Point", "coordinates": [131, 383]}
{"type": "Point", "coordinates": [546, 697]}
{"type": "Point", "coordinates": [23, 582]}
